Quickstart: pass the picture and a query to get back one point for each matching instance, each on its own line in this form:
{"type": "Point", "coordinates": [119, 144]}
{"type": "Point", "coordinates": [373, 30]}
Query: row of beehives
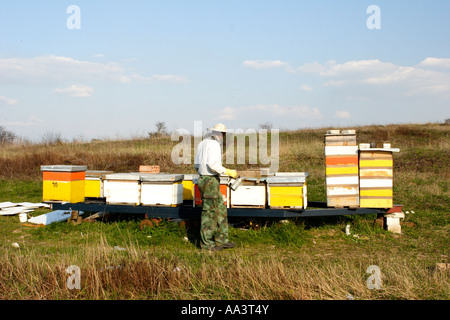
{"type": "Point", "coordinates": [75, 184]}
{"type": "Point", "coordinates": [358, 176]}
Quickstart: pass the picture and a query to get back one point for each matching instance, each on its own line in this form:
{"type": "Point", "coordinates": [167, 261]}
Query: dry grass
{"type": "Point", "coordinates": [140, 274]}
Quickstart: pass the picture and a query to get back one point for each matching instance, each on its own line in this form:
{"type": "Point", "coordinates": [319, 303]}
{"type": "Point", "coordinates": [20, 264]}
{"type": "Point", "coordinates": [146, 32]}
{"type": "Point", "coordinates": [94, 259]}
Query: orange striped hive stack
{"type": "Point", "coordinates": [376, 176]}
{"type": "Point", "coordinates": [342, 174]}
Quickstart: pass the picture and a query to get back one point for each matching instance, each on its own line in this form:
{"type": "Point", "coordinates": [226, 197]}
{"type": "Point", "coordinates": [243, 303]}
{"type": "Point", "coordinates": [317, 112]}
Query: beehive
{"type": "Point", "coordinates": [287, 191]}
{"type": "Point", "coordinates": [162, 189]}
{"type": "Point", "coordinates": [122, 188]}
{"type": "Point", "coordinates": [342, 178]}
{"type": "Point", "coordinates": [376, 177]}
{"type": "Point", "coordinates": [63, 183]}
{"type": "Point", "coordinates": [94, 183]}
{"type": "Point", "coordinates": [224, 190]}
{"type": "Point", "coordinates": [188, 186]}
{"type": "Point", "coordinates": [250, 194]}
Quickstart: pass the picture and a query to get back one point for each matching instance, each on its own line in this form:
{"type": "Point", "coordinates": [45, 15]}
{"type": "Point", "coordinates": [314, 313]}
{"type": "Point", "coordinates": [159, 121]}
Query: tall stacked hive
{"type": "Point", "coordinates": [376, 177]}
{"type": "Point", "coordinates": [342, 181]}
{"type": "Point", "coordinates": [63, 183]}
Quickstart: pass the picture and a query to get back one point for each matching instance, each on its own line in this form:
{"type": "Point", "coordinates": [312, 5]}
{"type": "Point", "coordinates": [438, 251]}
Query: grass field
{"type": "Point", "coordinates": [310, 258]}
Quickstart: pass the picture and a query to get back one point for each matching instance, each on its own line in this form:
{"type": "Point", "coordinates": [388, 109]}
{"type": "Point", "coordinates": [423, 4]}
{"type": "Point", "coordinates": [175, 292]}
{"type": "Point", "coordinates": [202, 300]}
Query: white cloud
{"type": "Point", "coordinates": [31, 121]}
{"type": "Point", "coordinates": [55, 69]}
{"type": "Point", "coordinates": [50, 68]}
{"type": "Point", "coordinates": [342, 114]}
{"type": "Point", "coordinates": [435, 62]}
{"type": "Point", "coordinates": [357, 98]}
{"type": "Point", "coordinates": [304, 111]}
{"type": "Point", "coordinates": [307, 88]}
{"type": "Point", "coordinates": [169, 78]}
{"type": "Point", "coordinates": [7, 101]}
{"type": "Point", "coordinates": [76, 91]}
{"type": "Point", "coordinates": [264, 64]}
{"type": "Point", "coordinates": [334, 69]}
{"type": "Point", "coordinates": [228, 113]}
{"type": "Point", "coordinates": [376, 75]}
{"type": "Point", "coordinates": [314, 67]}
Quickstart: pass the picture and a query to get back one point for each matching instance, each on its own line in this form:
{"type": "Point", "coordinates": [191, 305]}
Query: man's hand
{"type": "Point", "coordinates": [231, 173]}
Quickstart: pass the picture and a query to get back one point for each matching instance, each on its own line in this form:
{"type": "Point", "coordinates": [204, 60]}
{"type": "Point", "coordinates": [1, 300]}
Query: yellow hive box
{"type": "Point", "coordinates": [288, 196]}
{"type": "Point", "coordinates": [71, 191]}
{"type": "Point", "coordinates": [63, 183]}
{"type": "Point", "coordinates": [94, 183]}
{"type": "Point", "coordinates": [372, 202]}
{"type": "Point", "coordinates": [93, 188]}
{"type": "Point", "coordinates": [188, 186]}
{"type": "Point", "coordinates": [287, 192]}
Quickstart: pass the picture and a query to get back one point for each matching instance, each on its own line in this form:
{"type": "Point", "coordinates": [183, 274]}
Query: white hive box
{"type": "Point", "coordinates": [291, 174]}
{"type": "Point", "coordinates": [162, 189]}
{"type": "Point", "coordinates": [122, 188]}
{"type": "Point", "coordinates": [251, 194]}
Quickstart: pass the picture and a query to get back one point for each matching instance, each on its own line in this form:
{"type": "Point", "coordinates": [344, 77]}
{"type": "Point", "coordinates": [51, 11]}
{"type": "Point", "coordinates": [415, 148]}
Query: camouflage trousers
{"type": "Point", "coordinates": [214, 222]}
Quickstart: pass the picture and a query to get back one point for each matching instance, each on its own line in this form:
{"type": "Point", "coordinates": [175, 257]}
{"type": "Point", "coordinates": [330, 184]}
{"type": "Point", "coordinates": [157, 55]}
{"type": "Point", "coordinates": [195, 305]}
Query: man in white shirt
{"type": "Point", "coordinates": [208, 163]}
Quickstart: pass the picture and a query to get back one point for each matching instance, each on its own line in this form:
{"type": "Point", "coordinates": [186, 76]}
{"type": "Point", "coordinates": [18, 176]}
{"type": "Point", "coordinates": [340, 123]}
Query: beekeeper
{"type": "Point", "coordinates": [208, 163]}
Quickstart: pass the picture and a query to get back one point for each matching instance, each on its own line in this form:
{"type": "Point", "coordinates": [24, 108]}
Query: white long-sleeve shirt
{"type": "Point", "coordinates": [208, 160]}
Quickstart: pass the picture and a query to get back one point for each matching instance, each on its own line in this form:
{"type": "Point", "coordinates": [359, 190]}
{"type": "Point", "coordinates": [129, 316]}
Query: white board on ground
{"type": "Point", "coordinates": [54, 216]}
{"type": "Point", "coordinates": [33, 205]}
{"type": "Point", "coordinates": [10, 211]}
{"type": "Point", "coordinates": [7, 205]}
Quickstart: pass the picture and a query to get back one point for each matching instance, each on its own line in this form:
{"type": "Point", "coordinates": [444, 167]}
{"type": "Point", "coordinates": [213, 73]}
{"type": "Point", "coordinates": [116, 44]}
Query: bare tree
{"type": "Point", "coordinates": [161, 130]}
{"type": "Point", "coordinates": [6, 136]}
{"type": "Point", "coordinates": [51, 138]}
{"type": "Point", "coordinates": [267, 126]}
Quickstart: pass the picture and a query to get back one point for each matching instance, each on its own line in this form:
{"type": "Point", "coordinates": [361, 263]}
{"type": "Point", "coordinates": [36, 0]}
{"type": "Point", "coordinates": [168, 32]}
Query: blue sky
{"type": "Point", "coordinates": [295, 64]}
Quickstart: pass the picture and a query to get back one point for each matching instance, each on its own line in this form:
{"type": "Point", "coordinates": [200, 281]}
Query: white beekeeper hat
{"type": "Point", "coordinates": [220, 127]}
